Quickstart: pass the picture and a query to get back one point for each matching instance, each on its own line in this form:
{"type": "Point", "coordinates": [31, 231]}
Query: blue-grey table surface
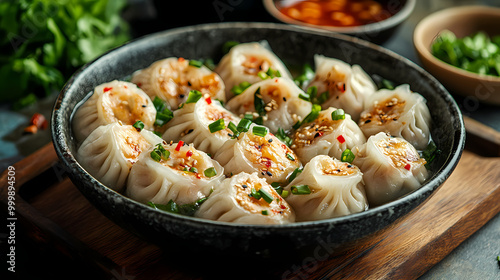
{"type": "Point", "coordinates": [473, 259]}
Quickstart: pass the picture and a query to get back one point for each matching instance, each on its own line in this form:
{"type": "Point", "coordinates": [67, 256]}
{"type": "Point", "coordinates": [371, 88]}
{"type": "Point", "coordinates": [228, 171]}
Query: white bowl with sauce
{"type": "Point", "coordinates": [343, 16]}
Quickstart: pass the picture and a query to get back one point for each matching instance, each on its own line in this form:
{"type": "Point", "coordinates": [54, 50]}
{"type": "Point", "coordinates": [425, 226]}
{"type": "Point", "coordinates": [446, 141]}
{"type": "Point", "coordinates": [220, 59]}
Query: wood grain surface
{"type": "Point", "coordinates": [404, 250]}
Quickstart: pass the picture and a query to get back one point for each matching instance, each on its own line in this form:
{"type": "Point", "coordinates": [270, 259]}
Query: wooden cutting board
{"type": "Point", "coordinates": [56, 215]}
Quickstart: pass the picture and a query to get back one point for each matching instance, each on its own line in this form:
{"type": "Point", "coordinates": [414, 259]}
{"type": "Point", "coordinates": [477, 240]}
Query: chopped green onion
{"type": "Point", "coordinates": [321, 98]}
{"type": "Point", "coordinates": [255, 194]}
{"type": "Point", "coordinates": [262, 75]}
{"type": "Point", "coordinates": [307, 74]}
{"type": "Point", "coordinates": [277, 187]}
{"type": "Point", "coordinates": [281, 135]}
{"type": "Point", "coordinates": [300, 189]}
{"type": "Point", "coordinates": [244, 125]}
{"type": "Point", "coordinates": [240, 88]}
{"type": "Point", "coordinates": [273, 73]}
{"type": "Point", "coordinates": [260, 131]}
{"type": "Point", "coordinates": [195, 63]}
{"type": "Point", "coordinates": [210, 172]}
{"type": "Point", "coordinates": [266, 196]}
{"type": "Point", "coordinates": [258, 103]}
{"type": "Point", "coordinates": [290, 157]}
{"type": "Point", "coordinates": [248, 116]}
{"type": "Point", "coordinates": [312, 92]}
{"type": "Point", "coordinates": [159, 104]}
{"type": "Point", "coordinates": [338, 114]}
{"type": "Point", "coordinates": [193, 169]}
{"type": "Point", "coordinates": [193, 96]}
{"type": "Point", "coordinates": [217, 126]}
{"type": "Point", "coordinates": [347, 156]}
{"type": "Point", "coordinates": [284, 194]}
{"type": "Point", "coordinates": [163, 114]}
{"type": "Point", "coordinates": [159, 153]}
{"type": "Point", "coordinates": [304, 96]}
{"type": "Point", "coordinates": [234, 129]}
{"type": "Point", "coordinates": [228, 45]}
{"type": "Point", "coordinates": [139, 125]}
{"type": "Point", "coordinates": [155, 156]}
{"type": "Point", "coordinates": [265, 212]}
{"type": "Point", "coordinates": [313, 115]}
{"type": "Point", "coordinates": [294, 174]}
{"type": "Point", "coordinates": [209, 63]}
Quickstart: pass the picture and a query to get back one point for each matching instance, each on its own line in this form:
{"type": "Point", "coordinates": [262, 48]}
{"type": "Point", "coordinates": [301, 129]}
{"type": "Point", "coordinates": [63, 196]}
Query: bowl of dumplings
{"type": "Point", "coordinates": [255, 137]}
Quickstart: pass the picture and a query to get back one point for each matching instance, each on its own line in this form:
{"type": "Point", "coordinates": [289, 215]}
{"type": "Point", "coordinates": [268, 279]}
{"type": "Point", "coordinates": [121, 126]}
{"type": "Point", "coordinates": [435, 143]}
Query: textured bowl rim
{"type": "Point", "coordinates": [63, 151]}
{"type": "Point", "coordinates": [421, 30]}
{"type": "Point", "coordinates": [388, 23]}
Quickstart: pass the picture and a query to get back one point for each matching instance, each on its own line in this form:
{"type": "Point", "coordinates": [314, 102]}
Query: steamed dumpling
{"type": "Point", "coordinates": [112, 102]}
{"type": "Point", "coordinates": [172, 79]}
{"type": "Point", "coordinates": [336, 189]}
{"type": "Point", "coordinates": [347, 86]}
{"type": "Point", "coordinates": [232, 201]}
{"type": "Point", "coordinates": [244, 62]}
{"type": "Point", "coordinates": [276, 100]}
{"type": "Point", "coordinates": [250, 153]}
{"type": "Point", "coordinates": [109, 152]}
{"type": "Point", "coordinates": [325, 136]}
{"type": "Point", "coordinates": [181, 176]}
{"type": "Point", "coordinates": [391, 168]}
{"type": "Point", "coordinates": [398, 112]}
{"type": "Point", "coordinates": [191, 124]}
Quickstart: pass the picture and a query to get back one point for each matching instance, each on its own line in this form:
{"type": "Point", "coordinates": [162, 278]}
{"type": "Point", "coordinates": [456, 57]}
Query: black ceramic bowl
{"type": "Point", "coordinates": [295, 47]}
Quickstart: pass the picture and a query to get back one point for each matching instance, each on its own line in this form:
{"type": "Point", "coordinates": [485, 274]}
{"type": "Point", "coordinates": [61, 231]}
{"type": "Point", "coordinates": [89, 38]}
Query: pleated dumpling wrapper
{"type": "Point", "coordinates": [112, 102]}
{"type": "Point", "coordinates": [247, 199]}
{"type": "Point", "coordinates": [391, 168]}
{"type": "Point", "coordinates": [203, 123]}
{"type": "Point", "coordinates": [326, 188]}
{"type": "Point", "coordinates": [249, 63]}
{"type": "Point", "coordinates": [331, 133]}
{"type": "Point", "coordinates": [398, 112]}
{"type": "Point", "coordinates": [111, 150]}
{"type": "Point", "coordinates": [347, 86]}
{"type": "Point", "coordinates": [171, 79]}
{"type": "Point", "coordinates": [255, 151]}
{"type": "Point", "coordinates": [277, 101]}
{"type": "Point", "coordinates": [174, 172]}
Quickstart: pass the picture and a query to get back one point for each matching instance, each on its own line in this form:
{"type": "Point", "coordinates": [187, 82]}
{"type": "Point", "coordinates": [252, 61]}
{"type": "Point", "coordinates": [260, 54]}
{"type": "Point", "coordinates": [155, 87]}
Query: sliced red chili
{"type": "Point", "coordinates": [179, 145]}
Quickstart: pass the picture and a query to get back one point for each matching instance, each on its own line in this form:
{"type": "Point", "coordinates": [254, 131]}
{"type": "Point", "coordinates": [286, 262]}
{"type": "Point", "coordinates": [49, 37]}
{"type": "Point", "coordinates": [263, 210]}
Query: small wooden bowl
{"type": "Point", "coordinates": [463, 21]}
